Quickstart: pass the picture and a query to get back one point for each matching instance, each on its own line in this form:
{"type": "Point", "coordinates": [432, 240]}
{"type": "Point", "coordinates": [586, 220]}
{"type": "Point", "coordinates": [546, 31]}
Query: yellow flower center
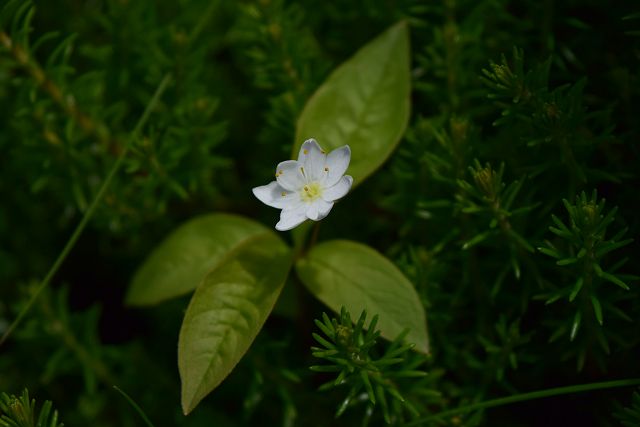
{"type": "Point", "coordinates": [311, 192]}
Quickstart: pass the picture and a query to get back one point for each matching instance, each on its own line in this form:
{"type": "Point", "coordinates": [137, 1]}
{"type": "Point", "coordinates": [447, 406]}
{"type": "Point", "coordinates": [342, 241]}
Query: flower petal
{"type": "Point", "coordinates": [291, 218]}
{"type": "Point", "coordinates": [267, 193]}
{"type": "Point", "coordinates": [307, 146]}
{"type": "Point", "coordinates": [313, 159]}
{"type": "Point", "coordinates": [337, 163]}
{"type": "Point", "coordinates": [275, 196]}
{"type": "Point", "coordinates": [339, 190]}
{"type": "Point", "coordinates": [289, 175]}
{"type": "Point", "coordinates": [318, 209]}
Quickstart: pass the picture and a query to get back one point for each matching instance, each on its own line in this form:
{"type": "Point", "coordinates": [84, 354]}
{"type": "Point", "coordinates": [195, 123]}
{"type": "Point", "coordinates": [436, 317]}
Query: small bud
{"type": "Point", "coordinates": [343, 335]}
{"type": "Point", "coordinates": [485, 179]}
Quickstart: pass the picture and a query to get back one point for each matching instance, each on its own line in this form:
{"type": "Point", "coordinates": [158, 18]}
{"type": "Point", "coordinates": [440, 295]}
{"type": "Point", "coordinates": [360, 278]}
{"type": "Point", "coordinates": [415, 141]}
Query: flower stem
{"type": "Point", "coordinates": [528, 396]}
{"type": "Point", "coordinates": [94, 204]}
{"type": "Point", "coordinates": [314, 236]}
{"type": "Point", "coordinates": [301, 244]}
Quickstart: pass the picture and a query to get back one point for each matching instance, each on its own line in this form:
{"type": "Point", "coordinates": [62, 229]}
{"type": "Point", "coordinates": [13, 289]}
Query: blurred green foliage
{"type": "Point", "coordinates": [519, 111]}
{"type": "Point", "coordinates": [629, 416]}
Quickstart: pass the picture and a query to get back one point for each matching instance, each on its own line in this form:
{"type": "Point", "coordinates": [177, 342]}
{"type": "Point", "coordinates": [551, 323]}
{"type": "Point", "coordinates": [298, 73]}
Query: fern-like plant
{"type": "Point", "coordinates": [21, 412]}
{"type": "Point", "coordinates": [583, 248]}
{"type": "Point", "coordinates": [348, 348]}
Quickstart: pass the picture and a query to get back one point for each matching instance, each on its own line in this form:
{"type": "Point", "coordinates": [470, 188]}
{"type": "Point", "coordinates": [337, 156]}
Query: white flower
{"type": "Point", "coordinates": [307, 188]}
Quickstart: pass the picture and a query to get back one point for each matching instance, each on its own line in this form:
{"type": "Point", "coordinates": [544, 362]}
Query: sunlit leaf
{"type": "Point", "coordinates": [364, 103]}
{"type": "Point", "coordinates": [182, 260]}
{"type": "Point", "coordinates": [344, 273]}
{"type": "Point", "coordinates": [226, 313]}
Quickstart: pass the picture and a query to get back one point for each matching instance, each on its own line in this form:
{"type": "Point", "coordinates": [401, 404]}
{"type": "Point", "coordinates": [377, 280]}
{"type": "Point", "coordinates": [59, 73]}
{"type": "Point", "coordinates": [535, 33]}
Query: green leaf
{"type": "Point", "coordinates": [550, 251]}
{"type": "Point", "coordinates": [576, 289]}
{"type": "Point", "coordinates": [560, 232]}
{"type": "Point", "coordinates": [182, 260]}
{"type": "Point", "coordinates": [567, 261]}
{"type": "Point", "coordinates": [575, 325]}
{"type": "Point", "coordinates": [344, 273]}
{"type": "Point", "coordinates": [553, 299]}
{"type": "Point", "coordinates": [521, 240]}
{"type": "Point", "coordinates": [609, 277]}
{"type": "Point", "coordinates": [561, 229]}
{"type": "Point", "coordinates": [226, 313]}
{"type": "Point", "coordinates": [611, 246]}
{"type": "Point", "coordinates": [364, 103]}
{"type": "Point", "coordinates": [477, 239]}
{"type": "Point", "coordinates": [597, 309]}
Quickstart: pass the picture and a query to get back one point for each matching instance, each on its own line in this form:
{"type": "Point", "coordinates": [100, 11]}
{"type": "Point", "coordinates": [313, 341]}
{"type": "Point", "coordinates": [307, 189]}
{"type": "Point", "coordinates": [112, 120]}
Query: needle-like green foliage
{"type": "Point", "coordinates": [21, 412]}
{"type": "Point", "coordinates": [629, 416]}
{"type": "Point", "coordinates": [349, 350]}
{"type": "Point", "coordinates": [582, 246]}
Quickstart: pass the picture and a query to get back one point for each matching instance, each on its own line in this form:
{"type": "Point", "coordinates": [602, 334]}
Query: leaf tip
{"type": "Point", "coordinates": [421, 345]}
{"type": "Point", "coordinates": [189, 402]}
{"type": "Point", "coordinates": [186, 410]}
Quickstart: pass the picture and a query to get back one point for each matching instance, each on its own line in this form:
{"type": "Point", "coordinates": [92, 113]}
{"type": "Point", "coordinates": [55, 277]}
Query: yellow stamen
{"type": "Point", "coordinates": [326, 169]}
{"type": "Point", "coordinates": [312, 191]}
{"type": "Point", "coordinates": [284, 194]}
{"type": "Point", "coordinates": [305, 151]}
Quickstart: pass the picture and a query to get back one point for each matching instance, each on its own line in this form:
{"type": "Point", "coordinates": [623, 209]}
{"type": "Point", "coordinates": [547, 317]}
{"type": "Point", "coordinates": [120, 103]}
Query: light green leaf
{"type": "Point", "coordinates": [364, 103]}
{"type": "Point", "coordinates": [226, 313]}
{"type": "Point", "coordinates": [344, 273]}
{"type": "Point", "coordinates": [182, 260]}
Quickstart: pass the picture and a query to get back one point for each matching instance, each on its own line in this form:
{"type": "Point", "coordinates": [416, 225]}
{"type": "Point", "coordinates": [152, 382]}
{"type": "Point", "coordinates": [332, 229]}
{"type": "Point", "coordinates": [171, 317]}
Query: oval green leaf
{"type": "Point", "coordinates": [364, 103]}
{"type": "Point", "coordinates": [226, 313]}
{"type": "Point", "coordinates": [344, 273]}
{"type": "Point", "coordinates": [182, 260]}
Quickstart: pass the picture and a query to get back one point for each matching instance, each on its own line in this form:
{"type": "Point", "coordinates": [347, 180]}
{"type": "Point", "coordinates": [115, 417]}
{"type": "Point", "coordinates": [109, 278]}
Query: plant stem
{"type": "Point", "coordinates": [135, 406]}
{"type": "Point", "coordinates": [528, 396]}
{"type": "Point", "coordinates": [94, 204]}
{"type": "Point", "coordinates": [314, 236]}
